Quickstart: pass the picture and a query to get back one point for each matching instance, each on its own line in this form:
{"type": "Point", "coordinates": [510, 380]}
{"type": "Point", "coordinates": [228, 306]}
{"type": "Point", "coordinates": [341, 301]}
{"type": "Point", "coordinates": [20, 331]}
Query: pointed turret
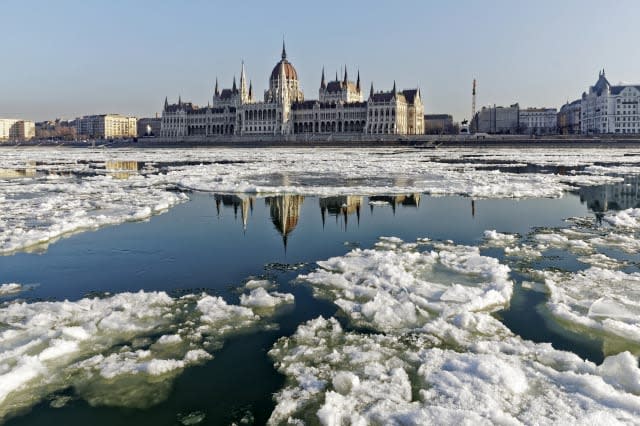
{"type": "Point", "coordinates": [345, 75]}
{"type": "Point", "coordinates": [358, 82]}
{"type": "Point", "coordinates": [244, 93]}
{"type": "Point", "coordinates": [216, 90]}
{"type": "Point", "coordinates": [166, 103]}
{"type": "Point", "coordinates": [234, 88]}
{"type": "Point", "coordinates": [179, 100]}
{"type": "Point", "coordinates": [250, 90]}
{"type": "Point", "coordinates": [323, 83]}
{"type": "Point", "coordinates": [284, 50]}
{"type": "Point", "coordinates": [394, 90]}
{"type": "Point", "coordinates": [371, 92]}
{"type": "Point", "coordinates": [337, 76]}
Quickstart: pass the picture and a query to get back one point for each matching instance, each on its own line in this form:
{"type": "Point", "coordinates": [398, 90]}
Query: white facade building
{"type": "Point", "coordinates": [107, 126]}
{"type": "Point", "coordinates": [610, 109]}
{"type": "Point", "coordinates": [284, 111]}
{"type": "Point", "coordinates": [18, 130]}
{"type": "Point", "coordinates": [539, 121]}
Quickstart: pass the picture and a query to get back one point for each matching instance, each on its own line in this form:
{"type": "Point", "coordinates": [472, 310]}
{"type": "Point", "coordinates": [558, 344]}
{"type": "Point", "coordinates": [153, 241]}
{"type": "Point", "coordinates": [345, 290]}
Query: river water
{"type": "Point", "coordinates": [216, 244]}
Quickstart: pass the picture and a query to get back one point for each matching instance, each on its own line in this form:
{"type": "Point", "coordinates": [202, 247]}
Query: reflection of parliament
{"type": "Point", "coordinates": [285, 209]}
{"type": "Point", "coordinates": [340, 110]}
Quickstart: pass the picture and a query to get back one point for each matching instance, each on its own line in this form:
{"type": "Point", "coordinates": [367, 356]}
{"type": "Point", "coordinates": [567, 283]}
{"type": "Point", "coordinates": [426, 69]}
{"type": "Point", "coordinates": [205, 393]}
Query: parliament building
{"type": "Point", "coordinates": [340, 109]}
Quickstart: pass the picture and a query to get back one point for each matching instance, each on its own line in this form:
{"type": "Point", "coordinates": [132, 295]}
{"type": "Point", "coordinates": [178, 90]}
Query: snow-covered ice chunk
{"type": "Point", "coordinates": [336, 377]}
{"type": "Point", "coordinates": [397, 287]}
{"type": "Point", "coordinates": [260, 298]}
{"type": "Point", "coordinates": [10, 288]}
{"type": "Point", "coordinates": [601, 300]}
{"type": "Point", "coordinates": [111, 350]}
{"type": "Point", "coordinates": [629, 218]}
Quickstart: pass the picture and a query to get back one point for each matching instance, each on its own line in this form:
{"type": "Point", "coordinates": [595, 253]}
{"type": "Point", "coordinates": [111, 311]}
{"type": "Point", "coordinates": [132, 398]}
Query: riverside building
{"type": "Point", "coordinates": [539, 121]}
{"type": "Point", "coordinates": [569, 118]}
{"type": "Point", "coordinates": [106, 126]}
{"type": "Point", "coordinates": [610, 109]}
{"type": "Point", "coordinates": [18, 130]}
{"type": "Point", "coordinates": [339, 109]}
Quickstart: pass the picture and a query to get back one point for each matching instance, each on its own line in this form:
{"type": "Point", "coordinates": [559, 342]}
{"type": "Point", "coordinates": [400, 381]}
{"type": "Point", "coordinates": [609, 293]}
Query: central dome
{"type": "Point", "coordinates": [289, 71]}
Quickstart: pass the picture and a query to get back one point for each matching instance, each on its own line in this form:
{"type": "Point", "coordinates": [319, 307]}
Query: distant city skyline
{"type": "Point", "coordinates": [72, 58]}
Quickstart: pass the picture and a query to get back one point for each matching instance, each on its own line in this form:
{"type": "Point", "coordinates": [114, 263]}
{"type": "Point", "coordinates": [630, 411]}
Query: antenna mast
{"type": "Point", "coordinates": [473, 100]}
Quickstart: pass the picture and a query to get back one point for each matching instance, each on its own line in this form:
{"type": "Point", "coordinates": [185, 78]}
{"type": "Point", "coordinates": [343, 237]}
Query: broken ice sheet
{"type": "Point", "coordinates": [603, 301]}
{"type": "Point", "coordinates": [338, 377]}
{"type": "Point", "coordinates": [121, 350]}
{"type": "Point", "coordinates": [396, 286]}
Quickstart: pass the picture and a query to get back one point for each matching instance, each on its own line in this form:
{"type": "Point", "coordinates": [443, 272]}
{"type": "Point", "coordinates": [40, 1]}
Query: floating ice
{"type": "Point", "coordinates": [260, 298]}
{"type": "Point", "coordinates": [565, 239]}
{"type": "Point", "coordinates": [498, 239]}
{"type": "Point", "coordinates": [629, 218]}
{"type": "Point", "coordinates": [121, 350]}
{"type": "Point", "coordinates": [10, 288]}
{"type": "Point", "coordinates": [397, 287]}
{"type": "Point", "coordinates": [597, 299]}
{"type": "Point", "coordinates": [336, 377]}
{"type": "Point", "coordinates": [41, 210]}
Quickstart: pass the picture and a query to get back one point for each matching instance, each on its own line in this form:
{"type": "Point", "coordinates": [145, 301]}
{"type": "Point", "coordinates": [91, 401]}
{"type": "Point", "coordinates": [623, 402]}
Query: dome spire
{"type": "Point", "coordinates": [284, 50]}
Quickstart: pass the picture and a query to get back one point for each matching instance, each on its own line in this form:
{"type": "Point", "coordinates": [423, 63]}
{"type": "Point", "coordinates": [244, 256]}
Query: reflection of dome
{"type": "Point", "coordinates": [285, 211]}
{"type": "Point", "coordinates": [289, 71]}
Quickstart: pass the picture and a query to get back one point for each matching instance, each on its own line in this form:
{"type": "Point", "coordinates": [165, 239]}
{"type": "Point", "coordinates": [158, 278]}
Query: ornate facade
{"type": "Point", "coordinates": [610, 109]}
{"type": "Point", "coordinates": [340, 109]}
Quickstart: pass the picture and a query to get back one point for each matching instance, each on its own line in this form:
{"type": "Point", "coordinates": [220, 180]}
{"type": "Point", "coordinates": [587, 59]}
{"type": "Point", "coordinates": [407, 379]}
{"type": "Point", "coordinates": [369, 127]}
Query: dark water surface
{"type": "Point", "coordinates": [214, 243]}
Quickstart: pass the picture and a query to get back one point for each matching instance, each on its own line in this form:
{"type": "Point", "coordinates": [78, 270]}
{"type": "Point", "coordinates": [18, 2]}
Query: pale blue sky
{"type": "Point", "coordinates": [67, 58]}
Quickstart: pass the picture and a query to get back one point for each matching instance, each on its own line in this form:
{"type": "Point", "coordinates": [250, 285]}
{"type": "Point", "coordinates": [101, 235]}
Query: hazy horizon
{"type": "Point", "coordinates": [74, 58]}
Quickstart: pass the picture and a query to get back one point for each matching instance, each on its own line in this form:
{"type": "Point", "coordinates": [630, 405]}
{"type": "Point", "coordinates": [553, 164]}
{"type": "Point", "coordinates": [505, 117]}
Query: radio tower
{"type": "Point", "coordinates": [473, 101]}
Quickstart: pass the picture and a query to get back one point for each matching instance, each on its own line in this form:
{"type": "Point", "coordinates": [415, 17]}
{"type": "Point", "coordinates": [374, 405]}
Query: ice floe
{"type": "Point", "coordinates": [10, 288]}
{"type": "Point", "coordinates": [499, 239]}
{"type": "Point", "coordinates": [629, 218]}
{"type": "Point", "coordinates": [337, 377]}
{"type": "Point", "coordinates": [397, 287]}
{"type": "Point", "coordinates": [119, 350]}
{"type": "Point", "coordinates": [260, 298]}
{"type": "Point", "coordinates": [443, 358]}
{"type": "Point", "coordinates": [598, 299]}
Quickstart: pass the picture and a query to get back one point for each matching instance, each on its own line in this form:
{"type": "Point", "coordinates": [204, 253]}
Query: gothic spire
{"type": "Point", "coordinates": [216, 90]}
{"type": "Point", "coordinates": [345, 74]}
{"type": "Point", "coordinates": [284, 50]}
{"type": "Point", "coordinates": [243, 82]}
{"type": "Point", "coordinates": [250, 90]}
{"type": "Point", "coordinates": [166, 103]}
{"type": "Point", "coordinates": [179, 100]}
{"type": "Point", "coordinates": [234, 88]}
{"type": "Point", "coordinates": [358, 82]}
{"type": "Point", "coordinates": [394, 91]}
{"type": "Point", "coordinates": [323, 83]}
{"type": "Point", "coordinates": [371, 92]}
